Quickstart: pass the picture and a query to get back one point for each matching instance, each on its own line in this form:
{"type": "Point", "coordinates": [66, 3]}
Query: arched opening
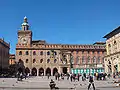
{"type": "Point", "coordinates": [34, 53]}
{"type": "Point", "coordinates": [41, 72]}
{"type": "Point", "coordinates": [34, 72]}
{"type": "Point", "coordinates": [27, 53]}
{"type": "Point", "coordinates": [65, 70]}
{"type": "Point", "coordinates": [27, 70]}
{"type": "Point", "coordinates": [48, 71]}
{"type": "Point", "coordinates": [54, 71]}
{"type": "Point", "coordinates": [41, 53]}
{"type": "Point", "coordinates": [20, 53]}
{"type": "Point", "coordinates": [48, 53]}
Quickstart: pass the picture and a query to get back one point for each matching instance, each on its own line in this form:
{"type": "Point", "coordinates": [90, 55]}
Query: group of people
{"type": "Point", "coordinates": [72, 77]}
{"type": "Point", "coordinates": [21, 75]}
{"type": "Point", "coordinates": [100, 76]}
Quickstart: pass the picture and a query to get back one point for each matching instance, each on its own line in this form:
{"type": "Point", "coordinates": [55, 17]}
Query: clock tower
{"type": "Point", "coordinates": [25, 35]}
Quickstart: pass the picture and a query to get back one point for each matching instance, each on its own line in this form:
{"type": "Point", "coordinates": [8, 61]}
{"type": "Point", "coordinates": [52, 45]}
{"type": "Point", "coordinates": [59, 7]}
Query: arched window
{"type": "Point", "coordinates": [99, 59]}
{"type": "Point", "coordinates": [48, 60]}
{"type": "Point", "coordinates": [109, 48]}
{"type": "Point", "coordinates": [115, 46]}
{"type": "Point", "coordinates": [48, 53]}
{"type": "Point", "coordinates": [41, 60]}
{"type": "Point", "coordinates": [20, 53]}
{"type": "Point", "coordinates": [34, 53]}
{"type": "Point", "coordinates": [41, 53]}
{"type": "Point", "coordinates": [88, 59]}
{"type": "Point", "coordinates": [77, 59]}
{"type": "Point", "coordinates": [83, 59]}
{"type": "Point", "coordinates": [27, 53]}
{"type": "Point", "coordinates": [94, 59]}
{"type": "Point", "coordinates": [115, 43]}
{"type": "Point", "coordinates": [26, 61]}
{"type": "Point", "coordinates": [82, 52]}
{"type": "Point", "coordinates": [55, 53]}
{"type": "Point", "coordinates": [20, 60]}
{"type": "Point", "coordinates": [34, 60]}
{"type": "Point", "coordinates": [55, 60]}
{"type": "Point", "coordinates": [103, 60]}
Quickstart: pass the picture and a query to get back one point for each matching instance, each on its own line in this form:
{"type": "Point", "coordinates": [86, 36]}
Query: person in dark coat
{"type": "Point", "coordinates": [91, 81]}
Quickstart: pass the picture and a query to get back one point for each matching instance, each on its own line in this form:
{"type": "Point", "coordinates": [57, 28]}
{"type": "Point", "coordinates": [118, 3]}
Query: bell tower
{"type": "Point", "coordinates": [25, 25]}
{"type": "Point", "coordinates": [25, 35]}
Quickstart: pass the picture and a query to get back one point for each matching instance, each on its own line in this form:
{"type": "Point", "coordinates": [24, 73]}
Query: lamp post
{"type": "Point", "coordinates": [71, 63]}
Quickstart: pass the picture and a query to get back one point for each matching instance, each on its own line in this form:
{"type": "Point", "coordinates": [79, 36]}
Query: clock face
{"type": "Point", "coordinates": [24, 40]}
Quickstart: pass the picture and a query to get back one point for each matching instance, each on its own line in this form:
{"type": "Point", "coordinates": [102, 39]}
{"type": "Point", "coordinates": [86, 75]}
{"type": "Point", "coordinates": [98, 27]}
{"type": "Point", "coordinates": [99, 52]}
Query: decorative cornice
{"type": "Point", "coordinates": [60, 46]}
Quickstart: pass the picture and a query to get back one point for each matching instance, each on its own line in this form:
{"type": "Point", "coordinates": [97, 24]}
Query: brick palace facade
{"type": "Point", "coordinates": [40, 57]}
{"type": "Point", "coordinates": [4, 55]}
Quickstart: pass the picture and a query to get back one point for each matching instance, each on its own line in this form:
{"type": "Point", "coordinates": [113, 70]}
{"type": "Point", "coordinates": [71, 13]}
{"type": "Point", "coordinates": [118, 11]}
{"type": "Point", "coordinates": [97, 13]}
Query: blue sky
{"type": "Point", "coordinates": [59, 21]}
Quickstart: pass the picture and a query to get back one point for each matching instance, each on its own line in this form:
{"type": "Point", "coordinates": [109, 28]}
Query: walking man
{"type": "Point", "coordinates": [91, 81]}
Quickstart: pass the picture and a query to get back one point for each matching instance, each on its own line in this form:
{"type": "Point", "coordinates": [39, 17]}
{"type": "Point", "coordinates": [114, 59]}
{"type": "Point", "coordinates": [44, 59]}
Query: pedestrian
{"type": "Point", "coordinates": [71, 77]}
{"type": "Point", "coordinates": [91, 81]}
{"type": "Point", "coordinates": [58, 76]}
{"type": "Point", "coordinates": [68, 75]}
{"type": "Point", "coordinates": [21, 76]}
{"type": "Point", "coordinates": [78, 77]}
{"type": "Point", "coordinates": [25, 75]}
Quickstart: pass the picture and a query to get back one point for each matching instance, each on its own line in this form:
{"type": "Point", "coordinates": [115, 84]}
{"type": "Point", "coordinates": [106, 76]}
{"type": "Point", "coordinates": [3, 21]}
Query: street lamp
{"type": "Point", "coordinates": [71, 62]}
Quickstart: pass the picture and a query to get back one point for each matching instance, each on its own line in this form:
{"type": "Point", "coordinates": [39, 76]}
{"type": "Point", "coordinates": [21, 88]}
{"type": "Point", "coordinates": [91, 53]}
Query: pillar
{"type": "Point", "coordinates": [59, 69]}
{"type": "Point", "coordinates": [68, 70]}
{"type": "Point", "coordinates": [30, 71]}
{"type": "Point", "coordinates": [37, 72]}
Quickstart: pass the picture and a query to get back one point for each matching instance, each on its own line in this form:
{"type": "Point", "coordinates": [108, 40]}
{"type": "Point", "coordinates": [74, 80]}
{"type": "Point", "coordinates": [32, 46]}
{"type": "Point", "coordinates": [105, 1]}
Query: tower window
{"type": "Point", "coordinates": [41, 53]}
{"type": "Point", "coordinates": [41, 60]}
{"type": "Point", "coordinates": [48, 60]}
{"type": "Point", "coordinates": [55, 61]}
{"type": "Point", "coordinates": [24, 27]}
{"type": "Point", "coordinates": [55, 53]}
{"type": "Point", "coordinates": [27, 53]}
{"type": "Point", "coordinates": [20, 53]}
{"type": "Point", "coordinates": [48, 53]}
{"type": "Point", "coordinates": [26, 61]}
{"type": "Point", "coordinates": [34, 53]}
{"type": "Point", "coordinates": [34, 60]}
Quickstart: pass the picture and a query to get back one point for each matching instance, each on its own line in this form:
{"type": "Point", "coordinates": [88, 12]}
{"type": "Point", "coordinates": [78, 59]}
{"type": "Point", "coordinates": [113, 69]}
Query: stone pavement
{"type": "Point", "coordinates": [41, 83]}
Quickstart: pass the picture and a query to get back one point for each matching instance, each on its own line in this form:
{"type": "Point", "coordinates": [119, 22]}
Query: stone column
{"type": "Point", "coordinates": [37, 72]}
{"type": "Point", "coordinates": [68, 69]}
{"type": "Point", "coordinates": [59, 70]}
{"type": "Point", "coordinates": [30, 71]}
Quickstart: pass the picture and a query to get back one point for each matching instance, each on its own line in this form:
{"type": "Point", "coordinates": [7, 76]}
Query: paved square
{"type": "Point", "coordinates": [42, 83]}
